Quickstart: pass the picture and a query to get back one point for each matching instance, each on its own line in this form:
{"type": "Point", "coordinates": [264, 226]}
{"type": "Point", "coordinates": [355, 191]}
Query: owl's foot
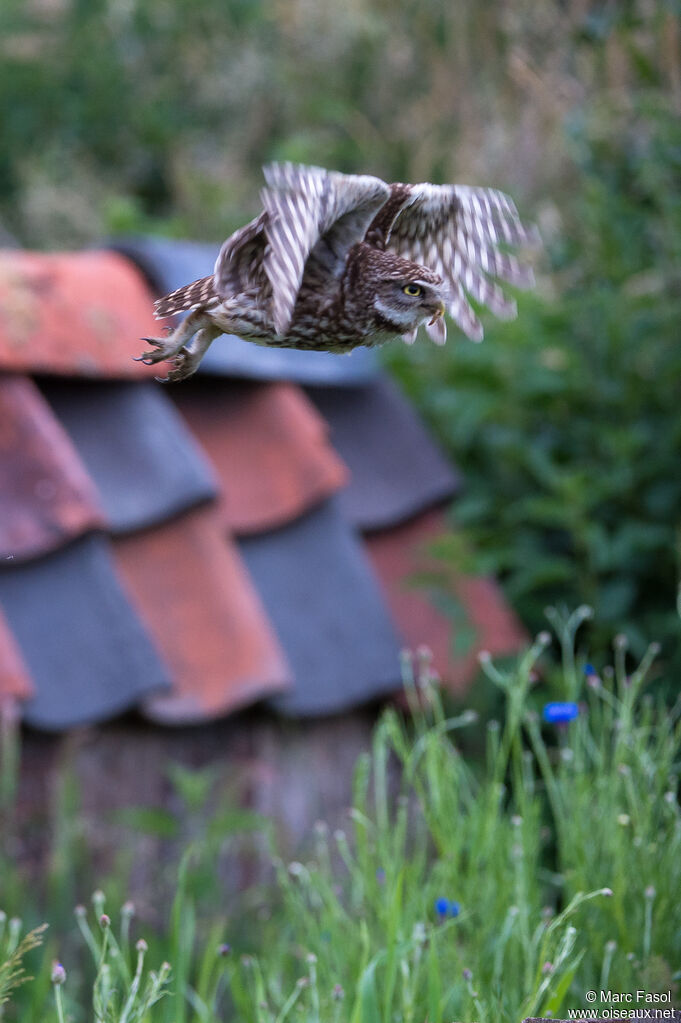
{"type": "Point", "coordinates": [164, 348]}
{"type": "Point", "coordinates": [186, 361]}
{"type": "Point", "coordinates": [183, 366]}
{"type": "Point", "coordinates": [169, 347]}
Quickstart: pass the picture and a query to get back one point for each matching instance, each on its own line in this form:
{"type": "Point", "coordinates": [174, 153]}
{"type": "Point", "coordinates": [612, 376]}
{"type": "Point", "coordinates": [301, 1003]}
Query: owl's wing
{"type": "Point", "coordinates": [239, 266]}
{"type": "Point", "coordinates": [457, 231]}
{"type": "Point", "coordinates": [240, 261]}
{"type": "Point", "coordinates": [314, 217]}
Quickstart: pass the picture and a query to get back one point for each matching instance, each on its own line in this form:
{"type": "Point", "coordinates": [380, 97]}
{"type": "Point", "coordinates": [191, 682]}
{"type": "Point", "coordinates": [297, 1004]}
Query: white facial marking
{"type": "Point", "coordinates": [393, 315]}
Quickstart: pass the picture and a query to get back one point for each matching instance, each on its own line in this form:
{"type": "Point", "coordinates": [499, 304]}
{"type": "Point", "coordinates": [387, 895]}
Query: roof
{"type": "Point", "coordinates": [186, 550]}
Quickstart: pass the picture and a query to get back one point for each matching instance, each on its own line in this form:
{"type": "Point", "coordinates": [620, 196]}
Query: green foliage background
{"type": "Point", "coordinates": [155, 115]}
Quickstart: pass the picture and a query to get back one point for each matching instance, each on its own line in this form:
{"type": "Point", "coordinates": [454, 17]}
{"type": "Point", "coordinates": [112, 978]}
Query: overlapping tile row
{"type": "Point", "coordinates": [78, 313]}
{"type": "Point", "coordinates": [191, 549]}
{"type": "Point", "coordinates": [46, 495]}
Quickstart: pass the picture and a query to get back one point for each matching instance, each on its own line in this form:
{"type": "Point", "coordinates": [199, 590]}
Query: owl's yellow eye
{"type": "Point", "coordinates": [412, 289]}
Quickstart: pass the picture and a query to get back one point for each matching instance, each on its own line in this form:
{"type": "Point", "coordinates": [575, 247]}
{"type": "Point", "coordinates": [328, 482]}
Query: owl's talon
{"type": "Point", "coordinates": [161, 350]}
{"type": "Point", "coordinates": [150, 358]}
{"type": "Point", "coordinates": [183, 365]}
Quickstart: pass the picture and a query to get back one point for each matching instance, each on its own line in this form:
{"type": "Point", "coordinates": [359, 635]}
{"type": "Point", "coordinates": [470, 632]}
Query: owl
{"type": "Point", "coordinates": [335, 260]}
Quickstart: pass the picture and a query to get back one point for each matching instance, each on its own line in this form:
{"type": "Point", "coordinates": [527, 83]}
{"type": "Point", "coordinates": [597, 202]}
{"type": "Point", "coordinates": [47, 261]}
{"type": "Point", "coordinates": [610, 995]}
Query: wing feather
{"type": "Point", "coordinates": [457, 232]}
{"type": "Point", "coordinates": [314, 217]}
{"type": "Point", "coordinates": [239, 265]}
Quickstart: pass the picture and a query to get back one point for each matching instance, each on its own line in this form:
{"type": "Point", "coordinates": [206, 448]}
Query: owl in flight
{"type": "Point", "coordinates": [334, 261]}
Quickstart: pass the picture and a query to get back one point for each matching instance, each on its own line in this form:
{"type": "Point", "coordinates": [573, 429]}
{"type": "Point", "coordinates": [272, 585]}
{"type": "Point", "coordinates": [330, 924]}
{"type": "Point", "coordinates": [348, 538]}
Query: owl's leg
{"type": "Point", "coordinates": [188, 358]}
{"type": "Point", "coordinates": [168, 347]}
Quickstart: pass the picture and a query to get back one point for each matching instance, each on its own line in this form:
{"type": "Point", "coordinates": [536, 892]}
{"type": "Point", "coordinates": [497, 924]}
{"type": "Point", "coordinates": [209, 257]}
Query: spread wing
{"type": "Point", "coordinates": [239, 266]}
{"type": "Point", "coordinates": [457, 232]}
{"type": "Point", "coordinates": [314, 217]}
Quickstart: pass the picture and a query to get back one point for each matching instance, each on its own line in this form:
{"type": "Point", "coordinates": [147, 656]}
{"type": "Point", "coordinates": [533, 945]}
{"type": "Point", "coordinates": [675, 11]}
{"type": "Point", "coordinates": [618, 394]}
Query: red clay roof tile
{"type": "Point", "coordinates": [80, 313]}
{"type": "Point", "coordinates": [199, 605]}
{"type": "Point", "coordinates": [269, 447]}
{"type": "Point", "coordinates": [397, 555]}
{"type": "Point", "coordinates": [46, 496]}
{"type": "Point", "coordinates": [15, 683]}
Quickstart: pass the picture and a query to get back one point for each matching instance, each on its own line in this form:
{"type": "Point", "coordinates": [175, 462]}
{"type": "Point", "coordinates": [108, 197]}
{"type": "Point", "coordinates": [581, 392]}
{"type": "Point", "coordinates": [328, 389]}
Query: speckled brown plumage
{"type": "Point", "coordinates": [334, 261]}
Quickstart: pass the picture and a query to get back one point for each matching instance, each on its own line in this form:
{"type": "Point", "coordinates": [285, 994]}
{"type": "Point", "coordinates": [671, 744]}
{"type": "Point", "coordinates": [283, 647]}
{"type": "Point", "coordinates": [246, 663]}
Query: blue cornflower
{"type": "Point", "coordinates": [589, 670]}
{"type": "Point", "coordinates": [560, 713]}
{"type": "Point", "coordinates": [446, 907]}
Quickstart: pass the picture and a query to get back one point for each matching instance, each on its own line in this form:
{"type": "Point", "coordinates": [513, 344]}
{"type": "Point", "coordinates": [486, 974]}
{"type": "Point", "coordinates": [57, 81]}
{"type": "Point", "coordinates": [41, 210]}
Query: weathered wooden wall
{"type": "Point", "coordinates": [294, 772]}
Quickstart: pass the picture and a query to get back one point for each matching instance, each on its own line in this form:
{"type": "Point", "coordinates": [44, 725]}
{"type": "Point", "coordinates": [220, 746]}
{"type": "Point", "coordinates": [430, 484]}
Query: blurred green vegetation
{"type": "Point", "coordinates": [155, 116]}
{"type": "Point", "coordinates": [566, 422]}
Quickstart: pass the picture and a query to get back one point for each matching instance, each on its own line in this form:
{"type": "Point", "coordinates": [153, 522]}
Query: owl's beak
{"type": "Point", "coordinates": [436, 328]}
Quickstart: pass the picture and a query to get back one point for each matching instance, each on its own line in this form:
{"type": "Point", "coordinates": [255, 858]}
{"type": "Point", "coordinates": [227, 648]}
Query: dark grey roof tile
{"type": "Point", "coordinates": [136, 447]}
{"type": "Point", "coordinates": [88, 655]}
{"type": "Point", "coordinates": [321, 594]}
{"type": "Point", "coordinates": [396, 469]}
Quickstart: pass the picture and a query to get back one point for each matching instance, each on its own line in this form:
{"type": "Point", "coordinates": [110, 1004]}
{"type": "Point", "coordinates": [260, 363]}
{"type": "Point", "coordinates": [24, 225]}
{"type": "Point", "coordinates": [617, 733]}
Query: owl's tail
{"type": "Point", "coordinates": [190, 296]}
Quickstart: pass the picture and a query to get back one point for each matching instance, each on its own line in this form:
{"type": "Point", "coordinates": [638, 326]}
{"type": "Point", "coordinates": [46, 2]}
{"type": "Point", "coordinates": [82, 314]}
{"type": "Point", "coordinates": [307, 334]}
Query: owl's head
{"type": "Point", "coordinates": [406, 295]}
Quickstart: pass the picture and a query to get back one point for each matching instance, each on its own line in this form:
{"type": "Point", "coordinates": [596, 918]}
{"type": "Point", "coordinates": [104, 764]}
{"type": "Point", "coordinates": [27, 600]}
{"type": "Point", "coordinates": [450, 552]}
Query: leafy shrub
{"type": "Point", "coordinates": [566, 422]}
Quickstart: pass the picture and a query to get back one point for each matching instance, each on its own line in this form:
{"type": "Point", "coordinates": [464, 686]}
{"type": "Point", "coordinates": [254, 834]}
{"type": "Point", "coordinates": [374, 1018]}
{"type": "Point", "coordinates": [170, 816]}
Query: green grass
{"type": "Point", "coordinates": [556, 860]}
